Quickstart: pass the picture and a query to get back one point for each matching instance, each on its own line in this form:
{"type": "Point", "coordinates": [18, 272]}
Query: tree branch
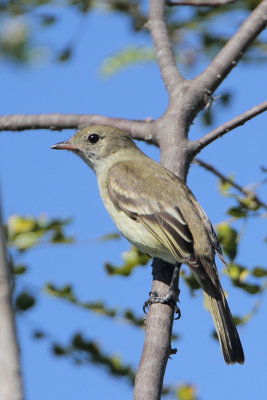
{"type": "Point", "coordinates": [171, 76]}
{"type": "Point", "coordinates": [157, 346]}
{"type": "Point", "coordinates": [197, 3]}
{"type": "Point", "coordinates": [199, 144]}
{"type": "Point", "coordinates": [140, 130]}
{"type": "Point", "coordinates": [227, 58]}
{"type": "Point", "coordinates": [249, 193]}
{"type": "Point", "coordinates": [10, 375]}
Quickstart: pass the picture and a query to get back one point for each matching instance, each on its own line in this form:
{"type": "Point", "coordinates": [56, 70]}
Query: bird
{"type": "Point", "coordinates": [159, 215]}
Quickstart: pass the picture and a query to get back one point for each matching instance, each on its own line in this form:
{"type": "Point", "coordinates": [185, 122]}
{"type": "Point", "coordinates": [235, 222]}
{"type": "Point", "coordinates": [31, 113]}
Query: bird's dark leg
{"type": "Point", "coordinates": [172, 297]}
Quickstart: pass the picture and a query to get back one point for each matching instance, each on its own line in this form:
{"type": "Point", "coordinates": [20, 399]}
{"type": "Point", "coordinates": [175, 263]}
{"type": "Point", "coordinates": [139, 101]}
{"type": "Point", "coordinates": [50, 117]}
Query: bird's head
{"type": "Point", "coordinates": [96, 143]}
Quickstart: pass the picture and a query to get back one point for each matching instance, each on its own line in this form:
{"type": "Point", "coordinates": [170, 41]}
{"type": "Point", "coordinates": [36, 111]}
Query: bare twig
{"type": "Point", "coordinates": [158, 29]}
{"type": "Point", "coordinates": [249, 193]}
{"type": "Point", "coordinates": [10, 375]}
{"type": "Point", "coordinates": [197, 3]}
{"type": "Point", "coordinates": [228, 126]}
{"type": "Point", "coordinates": [143, 130]}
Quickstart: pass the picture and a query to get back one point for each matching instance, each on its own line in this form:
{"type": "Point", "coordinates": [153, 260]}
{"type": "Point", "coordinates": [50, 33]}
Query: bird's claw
{"type": "Point", "coordinates": [156, 297]}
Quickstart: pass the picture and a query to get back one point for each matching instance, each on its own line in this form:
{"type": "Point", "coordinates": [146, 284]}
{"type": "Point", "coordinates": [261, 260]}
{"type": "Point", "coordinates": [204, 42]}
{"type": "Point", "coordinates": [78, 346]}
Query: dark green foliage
{"type": "Point", "coordinates": [85, 351]}
{"type": "Point", "coordinates": [239, 275]}
{"type": "Point", "coordinates": [190, 280]}
{"type": "Point", "coordinates": [24, 301]}
{"type": "Point", "coordinates": [259, 272]}
{"type": "Point", "coordinates": [19, 269]}
{"type": "Point", "coordinates": [37, 334]}
{"type": "Point", "coordinates": [65, 54]}
{"type": "Point", "coordinates": [59, 350]}
{"type": "Point", "coordinates": [190, 33]}
{"type": "Point", "coordinates": [82, 5]}
{"type": "Point", "coordinates": [66, 292]}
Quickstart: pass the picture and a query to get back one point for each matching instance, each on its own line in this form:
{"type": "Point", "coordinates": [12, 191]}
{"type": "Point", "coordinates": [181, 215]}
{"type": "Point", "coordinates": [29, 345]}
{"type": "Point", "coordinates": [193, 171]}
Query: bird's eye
{"type": "Point", "coordinates": [93, 138]}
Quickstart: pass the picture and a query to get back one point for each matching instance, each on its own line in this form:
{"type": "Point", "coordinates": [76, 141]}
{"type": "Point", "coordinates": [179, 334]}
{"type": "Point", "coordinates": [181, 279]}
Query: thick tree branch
{"type": "Point", "coordinates": [207, 82]}
{"type": "Point", "coordinates": [247, 192]}
{"type": "Point", "coordinates": [198, 3]}
{"type": "Point", "coordinates": [140, 130]}
{"type": "Point", "coordinates": [198, 145]}
{"type": "Point", "coordinates": [171, 76]}
{"type": "Point", "coordinates": [10, 375]}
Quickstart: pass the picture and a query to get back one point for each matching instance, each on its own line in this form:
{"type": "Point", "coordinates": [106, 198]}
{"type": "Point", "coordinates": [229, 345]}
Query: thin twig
{"type": "Point", "coordinates": [208, 81]}
{"type": "Point", "coordinates": [249, 193]}
{"type": "Point", "coordinates": [140, 130]}
{"type": "Point", "coordinates": [200, 3]}
{"type": "Point", "coordinates": [228, 126]}
{"type": "Point", "coordinates": [158, 28]}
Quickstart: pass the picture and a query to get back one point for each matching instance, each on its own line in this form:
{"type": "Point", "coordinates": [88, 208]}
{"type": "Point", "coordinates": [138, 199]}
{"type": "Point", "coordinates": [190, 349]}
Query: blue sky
{"type": "Point", "coordinates": [36, 180]}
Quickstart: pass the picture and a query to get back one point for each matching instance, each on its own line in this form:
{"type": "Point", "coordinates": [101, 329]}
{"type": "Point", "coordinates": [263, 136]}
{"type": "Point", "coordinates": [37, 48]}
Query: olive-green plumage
{"type": "Point", "coordinates": [159, 215]}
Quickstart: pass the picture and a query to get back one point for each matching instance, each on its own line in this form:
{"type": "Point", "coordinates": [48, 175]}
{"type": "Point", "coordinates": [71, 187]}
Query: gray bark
{"type": "Point", "coordinates": [10, 374]}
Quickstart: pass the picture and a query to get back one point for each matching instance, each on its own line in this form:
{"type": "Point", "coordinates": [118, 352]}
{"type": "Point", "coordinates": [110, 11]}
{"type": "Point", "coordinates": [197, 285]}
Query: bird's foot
{"type": "Point", "coordinates": [169, 299]}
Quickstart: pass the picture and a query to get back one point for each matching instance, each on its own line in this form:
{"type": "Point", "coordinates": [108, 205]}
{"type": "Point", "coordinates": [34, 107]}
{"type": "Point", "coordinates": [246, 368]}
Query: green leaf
{"type": "Point", "coordinates": [238, 272]}
{"type": "Point", "coordinates": [137, 321]}
{"type": "Point", "coordinates": [19, 269]}
{"type": "Point", "coordinates": [66, 293]}
{"type": "Point", "coordinates": [237, 212]}
{"type": "Point", "coordinates": [191, 281]}
{"type": "Point", "coordinates": [58, 350]}
{"type": "Point", "coordinates": [132, 258]}
{"type": "Point", "coordinates": [26, 232]}
{"type": "Point", "coordinates": [65, 54]}
{"type": "Point", "coordinates": [82, 5]}
{"type": "Point", "coordinates": [38, 334]}
{"type": "Point", "coordinates": [228, 239]}
{"type": "Point", "coordinates": [225, 98]}
{"type": "Point", "coordinates": [239, 275]}
{"type": "Point", "coordinates": [248, 203]}
{"type": "Point", "coordinates": [186, 392]}
{"type": "Point", "coordinates": [109, 236]}
{"type": "Point", "coordinates": [207, 117]}
{"type": "Point", "coordinates": [94, 354]}
{"type": "Point", "coordinates": [24, 301]}
{"type": "Point", "coordinates": [259, 272]}
{"type": "Point", "coordinates": [127, 57]}
{"type": "Point", "coordinates": [224, 186]}
{"type": "Point", "coordinates": [248, 287]}
{"type": "Point", "coordinates": [238, 320]}
{"type": "Point", "coordinates": [47, 19]}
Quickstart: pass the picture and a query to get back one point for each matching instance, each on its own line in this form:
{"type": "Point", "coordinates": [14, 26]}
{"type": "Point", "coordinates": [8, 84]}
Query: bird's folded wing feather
{"type": "Point", "coordinates": [150, 200]}
{"type": "Point", "coordinates": [209, 228]}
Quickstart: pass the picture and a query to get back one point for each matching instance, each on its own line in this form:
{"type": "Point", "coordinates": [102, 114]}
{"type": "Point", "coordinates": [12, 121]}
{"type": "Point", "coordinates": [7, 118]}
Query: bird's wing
{"type": "Point", "coordinates": [209, 228]}
{"type": "Point", "coordinates": [150, 200]}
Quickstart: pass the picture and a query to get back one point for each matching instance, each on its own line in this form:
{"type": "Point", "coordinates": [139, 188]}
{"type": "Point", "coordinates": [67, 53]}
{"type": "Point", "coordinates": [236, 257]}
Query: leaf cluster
{"type": "Point", "coordinates": [25, 232]}
{"type": "Point", "coordinates": [23, 23]}
{"type": "Point", "coordinates": [84, 351]}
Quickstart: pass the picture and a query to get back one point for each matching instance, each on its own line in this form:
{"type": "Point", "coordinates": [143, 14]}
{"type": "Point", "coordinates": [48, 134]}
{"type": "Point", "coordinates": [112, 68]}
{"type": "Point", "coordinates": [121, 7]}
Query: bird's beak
{"type": "Point", "coordinates": [64, 146]}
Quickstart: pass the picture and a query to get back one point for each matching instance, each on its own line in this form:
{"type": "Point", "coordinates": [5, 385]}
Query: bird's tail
{"type": "Point", "coordinates": [225, 328]}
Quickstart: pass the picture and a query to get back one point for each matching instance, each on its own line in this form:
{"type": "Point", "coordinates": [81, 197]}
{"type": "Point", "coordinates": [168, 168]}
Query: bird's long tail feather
{"type": "Point", "coordinates": [225, 328]}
